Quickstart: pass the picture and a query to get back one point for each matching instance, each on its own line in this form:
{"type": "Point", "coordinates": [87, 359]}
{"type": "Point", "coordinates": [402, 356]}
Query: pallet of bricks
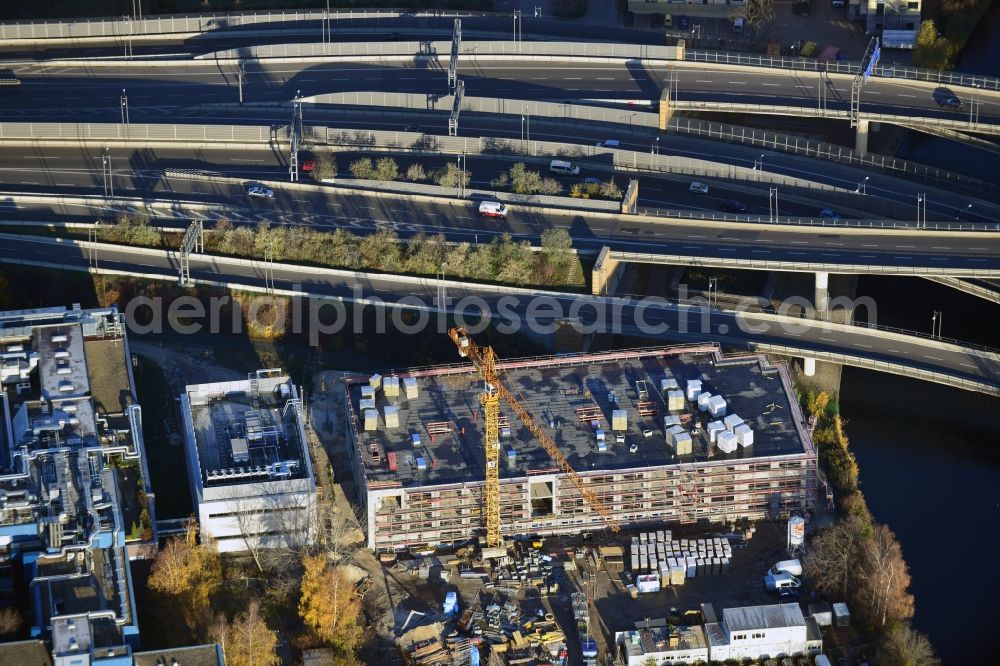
{"type": "Point", "coordinates": [674, 560]}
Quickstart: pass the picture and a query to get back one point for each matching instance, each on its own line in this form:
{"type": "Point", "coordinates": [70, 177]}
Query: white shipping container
{"type": "Point", "coordinates": [731, 421]}
{"type": "Point", "coordinates": [371, 419]}
{"type": "Point", "coordinates": [714, 428]}
{"type": "Point", "coordinates": [693, 389]}
{"type": "Point", "coordinates": [367, 403]}
{"type": "Point", "coordinates": [675, 401]}
{"type": "Point", "coordinates": [367, 392]}
{"type": "Point", "coordinates": [703, 399]}
{"type": "Point", "coordinates": [744, 434]}
{"type": "Point", "coordinates": [619, 419]}
{"type": "Point", "coordinates": [682, 444]}
{"type": "Point", "coordinates": [670, 421]}
{"type": "Point", "coordinates": [391, 386]}
{"type": "Point", "coordinates": [726, 441]}
{"type": "Point", "coordinates": [391, 415]}
{"type": "Point", "coordinates": [410, 387]}
{"type": "Point", "coordinates": [375, 381]}
{"type": "Point", "coordinates": [717, 406]}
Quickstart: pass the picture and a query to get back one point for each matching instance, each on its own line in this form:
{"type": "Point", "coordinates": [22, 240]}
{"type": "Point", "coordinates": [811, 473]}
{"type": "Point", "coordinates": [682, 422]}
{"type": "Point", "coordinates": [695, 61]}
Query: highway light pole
{"type": "Point", "coordinates": [758, 164]}
{"type": "Point", "coordinates": [241, 73]}
{"type": "Point", "coordinates": [124, 108]}
{"type": "Point", "coordinates": [128, 37]}
{"type": "Point", "coordinates": [106, 175]}
{"type": "Point", "coordinates": [973, 109]}
{"type": "Point", "coordinates": [963, 212]}
{"type": "Point", "coordinates": [862, 188]}
{"type": "Point", "coordinates": [772, 204]}
{"type": "Point", "coordinates": [922, 210]}
{"type": "Point", "coordinates": [713, 289]}
{"type": "Point", "coordinates": [936, 320]}
{"type": "Point", "coordinates": [517, 28]}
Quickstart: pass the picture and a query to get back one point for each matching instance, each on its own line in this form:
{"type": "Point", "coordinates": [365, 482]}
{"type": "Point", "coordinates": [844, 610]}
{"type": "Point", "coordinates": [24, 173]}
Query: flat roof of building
{"type": "Point", "coordinates": [748, 618]}
{"type": "Point", "coordinates": [245, 432]}
{"type": "Point", "coordinates": [447, 415]}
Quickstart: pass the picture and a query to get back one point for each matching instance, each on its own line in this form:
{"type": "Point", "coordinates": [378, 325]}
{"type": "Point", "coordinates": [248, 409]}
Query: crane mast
{"type": "Point", "coordinates": [484, 359]}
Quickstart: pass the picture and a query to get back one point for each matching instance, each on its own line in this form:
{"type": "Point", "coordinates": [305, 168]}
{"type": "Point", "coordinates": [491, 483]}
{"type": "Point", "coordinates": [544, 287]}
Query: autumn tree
{"type": "Point", "coordinates": [884, 579]}
{"type": "Point", "coordinates": [247, 641]}
{"type": "Point", "coordinates": [903, 646]}
{"type": "Point", "coordinates": [10, 622]}
{"type": "Point", "coordinates": [330, 607]}
{"type": "Point", "coordinates": [833, 555]}
{"type": "Point", "coordinates": [186, 572]}
{"type": "Point", "coordinates": [325, 167]}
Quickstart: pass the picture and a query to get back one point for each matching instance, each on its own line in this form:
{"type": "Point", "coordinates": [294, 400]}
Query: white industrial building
{"type": "Point", "coordinates": [251, 478]}
{"type": "Point", "coordinates": [749, 632]}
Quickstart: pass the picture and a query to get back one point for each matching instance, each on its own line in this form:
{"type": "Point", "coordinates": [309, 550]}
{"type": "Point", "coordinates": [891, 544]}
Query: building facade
{"type": "Point", "coordinates": [251, 477]}
{"type": "Point", "coordinates": [896, 22]}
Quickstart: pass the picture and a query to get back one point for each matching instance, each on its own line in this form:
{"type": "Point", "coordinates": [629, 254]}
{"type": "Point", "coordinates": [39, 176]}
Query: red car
{"type": "Point", "coordinates": [308, 165]}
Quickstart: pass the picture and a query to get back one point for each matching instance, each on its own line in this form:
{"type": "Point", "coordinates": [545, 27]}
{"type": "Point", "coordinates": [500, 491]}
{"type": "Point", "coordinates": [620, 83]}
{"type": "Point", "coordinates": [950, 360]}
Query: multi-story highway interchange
{"type": "Point", "coordinates": [461, 337]}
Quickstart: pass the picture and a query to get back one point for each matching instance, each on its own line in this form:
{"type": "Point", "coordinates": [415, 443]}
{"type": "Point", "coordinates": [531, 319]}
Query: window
{"type": "Point", "coordinates": [913, 5]}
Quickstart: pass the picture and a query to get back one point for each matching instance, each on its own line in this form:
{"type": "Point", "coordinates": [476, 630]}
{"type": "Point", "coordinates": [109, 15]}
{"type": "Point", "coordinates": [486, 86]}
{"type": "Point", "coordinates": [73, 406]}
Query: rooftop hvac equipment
{"type": "Point", "coordinates": [367, 392]}
{"type": "Point", "coordinates": [371, 419]}
{"type": "Point", "coordinates": [375, 381]}
{"type": "Point", "coordinates": [693, 389]}
{"type": "Point", "coordinates": [602, 445]}
{"type": "Point", "coordinates": [619, 419]}
{"type": "Point", "coordinates": [367, 403]}
{"type": "Point", "coordinates": [675, 400]}
{"type": "Point", "coordinates": [505, 432]}
{"type": "Point", "coordinates": [241, 452]}
{"type": "Point", "coordinates": [683, 444]}
{"type": "Point", "coordinates": [703, 399]}
{"type": "Point", "coordinates": [744, 434]}
{"type": "Point", "coordinates": [732, 421]}
{"type": "Point", "coordinates": [59, 337]}
{"type": "Point", "coordinates": [415, 439]}
{"type": "Point", "coordinates": [410, 387]}
{"type": "Point", "coordinates": [391, 415]}
{"type": "Point", "coordinates": [717, 406]}
{"type": "Point", "coordinates": [65, 386]}
{"type": "Point", "coordinates": [421, 463]}
{"type": "Point", "coordinates": [391, 386]}
{"type": "Point", "coordinates": [600, 435]}
{"type": "Point", "coordinates": [511, 456]}
{"type": "Point", "coordinates": [714, 428]}
{"type": "Point", "coordinates": [726, 441]}
{"type": "Point", "coordinates": [671, 420]}
{"type": "Point", "coordinates": [60, 353]}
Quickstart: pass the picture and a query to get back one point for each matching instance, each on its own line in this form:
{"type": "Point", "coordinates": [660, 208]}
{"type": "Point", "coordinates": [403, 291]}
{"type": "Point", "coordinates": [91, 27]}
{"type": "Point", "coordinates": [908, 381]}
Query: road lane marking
{"type": "Point", "coordinates": [858, 344]}
{"type": "Point", "coordinates": [799, 242]}
{"type": "Point", "coordinates": [828, 339]}
{"type": "Point", "coordinates": [904, 95]}
{"type": "Point", "coordinates": [797, 253]}
{"type": "Point", "coordinates": [866, 256]}
{"type": "Point", "coordinates": [738, 83]}
{"type": "Point", "coordinates": [762, 251]}
{"type": "Point", "coordinates": [831, 254]}
{"type": "Point", "coordinates": [932, 357]}
{"type": "Point", "coordinates": [939, 247]}
{"type": "Point", "coordinates": [968, 365]}
{"type": "Point", "coordinates": [868, 245]}
{"type": "Point", "coordinates": [773, 85]}
{"type": "Point", "coordinates": [895, 257]}
{"type": "Point", "coordinates": [939, 259]}
{"type": "Point", "coordinates": [906, 247]}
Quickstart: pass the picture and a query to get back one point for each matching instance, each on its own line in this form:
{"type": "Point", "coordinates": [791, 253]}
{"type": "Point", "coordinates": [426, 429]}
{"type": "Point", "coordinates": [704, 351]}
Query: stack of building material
{"type": "Point", "coordinates": [744, 434]}
{"type": "Point", "coordinates": [731, 422]}
{"type": "Point", "coordinates": [683, 444]}
{"type": "Point", "coordinates": [619, 419]}
{"type": "Point", "coordinates": [391, 387]}
{"type": "Point", "coordinates": [703, 399]}
{"type": "Point", "coordinates": [367, 392]}
{"type": "Point", "coordinates": [693, 389]}
{"type": "Point", "coordinates": [391, 416]}
{"type": "Point", "coordinates": [675, 401]}
{"type": "Point", "coordinates": [717, 406]}
{"type": "Point", "coordinates": [669, 421]}
{"type": "Point", "coordinates": [726, 441]}
{"type": "Point", "coordinates": [371, 419]}
{"type": "Point", "coordinates": [375, 381]}
{"type": "Point", "coordinates": [668, 384]}
{"type": "Point", "coordinates": [367, 403]}
{"type": "Point", "coordinates": [410, 387]}
{"type": "Point", "coordinates": [714, 428]}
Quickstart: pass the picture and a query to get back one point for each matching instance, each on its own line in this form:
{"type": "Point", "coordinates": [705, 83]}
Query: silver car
{"type": "Point", "coordinates": [260, 192]}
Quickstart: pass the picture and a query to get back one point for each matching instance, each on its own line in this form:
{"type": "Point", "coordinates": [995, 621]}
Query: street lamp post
{"type": "Point", "coordinates": [936, 320]}
{"type": "Point", "coordinates": [921, 210]}
{"type": "Point", "coordinates": [862, 187]}
{"type": "Point", "coordinates": [124, 108]}
{"type": "Point", "coordinates": [759, 163]}
{"type": "Point", "coordinates": [713, 289]}
{"type": "Point", "coordinates": [772, 203]}
{"type": "Point", "coordinates": [963, 212]}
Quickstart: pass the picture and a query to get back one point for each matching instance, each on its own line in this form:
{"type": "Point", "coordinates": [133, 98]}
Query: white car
{"type": "Point", "coordinates": [698, 188]}
{"type": "Point", "coordinates": [260, 192]}
{"type": "Point", "coordinates": [492, 209]}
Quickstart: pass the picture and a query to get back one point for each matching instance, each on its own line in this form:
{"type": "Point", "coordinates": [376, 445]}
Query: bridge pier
{"type": "Point", "coordinates": [808, 366]}
{"type": "Point", "coordinates": [822, 297]}
{"type": "Point", "coordinates": [606, 275]}
{"type": "Point", "coordinates": [861, 137]}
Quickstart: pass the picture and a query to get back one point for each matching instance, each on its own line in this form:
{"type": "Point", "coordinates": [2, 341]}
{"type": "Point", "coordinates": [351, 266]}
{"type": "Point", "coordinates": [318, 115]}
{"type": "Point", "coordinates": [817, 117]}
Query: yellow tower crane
{"type": "Point", "coordinates": [485, 361]}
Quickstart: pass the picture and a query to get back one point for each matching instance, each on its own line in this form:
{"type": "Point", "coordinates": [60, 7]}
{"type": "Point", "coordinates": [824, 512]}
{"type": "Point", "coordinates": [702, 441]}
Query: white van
{"type": "Point", "coordinates": [609, 143]}
{"type": "Point", "coordinates": [738, 24]}
{"type": "Point", "coordinates": [793, 567]}
{"type": "Point", "coordinates": [781, 581]}
{"type": "Point", "coordinates": [564, 168]}
{"type": "Point", "coordinates": [492, 209]}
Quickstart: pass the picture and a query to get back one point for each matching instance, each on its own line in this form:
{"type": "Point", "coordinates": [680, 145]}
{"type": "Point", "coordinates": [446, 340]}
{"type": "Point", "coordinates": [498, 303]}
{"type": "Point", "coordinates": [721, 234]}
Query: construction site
{"type": "Point", "coordinates": [486, 450]}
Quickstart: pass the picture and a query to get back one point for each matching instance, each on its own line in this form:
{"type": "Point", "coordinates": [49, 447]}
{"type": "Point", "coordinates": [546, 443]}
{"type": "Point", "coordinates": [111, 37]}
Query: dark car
{"type": "Point", "coordinates": [789, 593]}
{"type": "Point", "coordinates": [683, 23]}
{"type": "Point", "coordinates": [656, 20]}
{"type": "Point", "coordinates": [952, 103]}
{"type": "Point", "coordinates": [732, 206]}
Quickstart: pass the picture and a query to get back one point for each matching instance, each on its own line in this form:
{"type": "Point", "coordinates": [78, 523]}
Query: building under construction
{"type": "Point", "coordinates": [676, 435]}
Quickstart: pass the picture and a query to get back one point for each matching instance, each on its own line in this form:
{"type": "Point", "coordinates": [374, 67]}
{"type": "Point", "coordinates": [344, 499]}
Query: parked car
{"type": "Point", "coordinates": [634, 448]}
{"type": "Point", "coordinates": [683, 22]}
{"type": "Point", "coordinates": [411, 128]}
{"type": "Point", "coordinates": [564, 168]}
{"type": "Point", "coordinates": [789, 593]}
{"type": "Point", "coordinates": [698, 188]}
{"type": "Point", "coordinates": [260, 192]}
{"type": "Point", "coordinates": [830, 214]}
{"type": "Point", "coordinates": [668, 21]}
{"type": "Point", "coordinates": [609, 143]}
{"type": "Point", "coordinates": [732, 206]}
{"type": "Point", "coordinates": [492, 209]}
{"type": "Point", "coordinates": [308, 165]}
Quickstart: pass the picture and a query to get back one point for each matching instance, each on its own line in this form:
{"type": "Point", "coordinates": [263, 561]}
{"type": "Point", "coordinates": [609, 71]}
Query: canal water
{"type": "Point", "coordinates": [930, 469]}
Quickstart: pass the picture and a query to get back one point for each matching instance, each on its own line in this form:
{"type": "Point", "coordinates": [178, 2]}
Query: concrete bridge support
{"type": "Point", "coordinates": [861, 137]}
{"type": "Point", "coordinates": [606, 275]}
{"type": "Point", "coordinates": [822, 307]}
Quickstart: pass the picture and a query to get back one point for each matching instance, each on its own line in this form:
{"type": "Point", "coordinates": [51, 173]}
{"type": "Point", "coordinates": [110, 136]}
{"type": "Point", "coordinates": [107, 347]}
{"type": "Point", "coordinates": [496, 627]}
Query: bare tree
{"type": "Point", "coordinates": [833, 555]}
{"type": "Point", "coordinates": [885, 579]}
{"type": "Point", "coordinates": [756, 13]}
{"type": "Point", "coordinates": [10, 621]}
{"type": "Point", "coordinates": [903, 646]}
{"type": "Point", "coordinates": [275, 526]}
